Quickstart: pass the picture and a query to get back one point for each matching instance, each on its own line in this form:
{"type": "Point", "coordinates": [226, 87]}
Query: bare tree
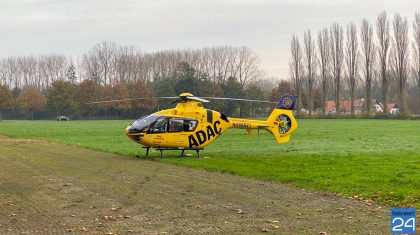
{"type": "Point", "coordinates": [382, 25]}
{"type": "Point", "coordinates": [324, 62]}
{"type": "Point", "coordinates": [336, 42]}
{"type": "Point", "coordinates": [11, 73]}
{"type": "Point", "coordinates": [126, 65]}
{"type": "Point", "coordinates": [295, 68]}
{"type": "Point", "coordinates": [416, 49]}
{"type": "Point", "coordinates": [55, 68]}
{"type": "Point", "coordinates": [15, 72]}
{"type": "Point", "coordinates": [248, 66]}
{"type": "Point", "coordinates": [79, 69]}
{"type": "Point", "coordinates": [99, 62]}
{"type": "Point", "coordinates": [309, 50]}
{"type": "Point", "coordinates": [368, 50]}
{"type": "Point", "coordinates": [91, 67]}
{"type": "Point", "coordinates": [399, 60]}
{"type": "Point", "coordinates": [352, 56]}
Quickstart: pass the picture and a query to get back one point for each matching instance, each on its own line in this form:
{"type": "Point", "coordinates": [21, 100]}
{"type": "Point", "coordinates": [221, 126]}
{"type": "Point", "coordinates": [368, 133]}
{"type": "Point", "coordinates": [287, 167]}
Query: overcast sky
{"type": "Point", "coordinates": [73, 27]}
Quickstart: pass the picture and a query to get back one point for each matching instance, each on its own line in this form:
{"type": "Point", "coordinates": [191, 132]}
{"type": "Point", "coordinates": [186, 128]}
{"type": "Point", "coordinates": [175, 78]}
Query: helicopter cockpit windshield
{"type": "Point", "coordinates": [143, 124]}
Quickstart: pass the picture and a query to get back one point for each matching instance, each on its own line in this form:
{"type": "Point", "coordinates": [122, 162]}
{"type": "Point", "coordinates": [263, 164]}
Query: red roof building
{"type": "Point", "coordinates": [391, 108]}
{"type": "Point", "coordinates": [345, 106]}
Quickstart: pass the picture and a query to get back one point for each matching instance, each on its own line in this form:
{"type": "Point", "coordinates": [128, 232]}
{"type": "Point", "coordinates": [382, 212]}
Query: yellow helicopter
{"type": "Point", "coordinates": [189, 126]}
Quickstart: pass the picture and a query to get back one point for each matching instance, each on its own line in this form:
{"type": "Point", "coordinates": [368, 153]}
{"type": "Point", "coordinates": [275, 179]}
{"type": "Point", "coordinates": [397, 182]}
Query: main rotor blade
{"type": "Point", "coordinates": [180, 99]}
{"type": "Point", "coordinates": [121, 100]}
{"type": "Point", "coordinates": [235, 99]}
{"type": "Point", "coordinates": [197, 99]}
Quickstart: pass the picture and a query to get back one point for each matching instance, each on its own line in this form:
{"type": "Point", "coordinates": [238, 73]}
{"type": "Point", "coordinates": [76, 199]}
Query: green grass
{"type": "Point", "coordinates": [375, 159]}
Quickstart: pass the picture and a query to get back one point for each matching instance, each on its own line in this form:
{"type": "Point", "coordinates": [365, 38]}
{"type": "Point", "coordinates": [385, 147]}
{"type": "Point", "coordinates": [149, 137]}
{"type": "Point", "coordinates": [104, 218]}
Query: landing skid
{"type": "Point", "coordinates": [162, 149]}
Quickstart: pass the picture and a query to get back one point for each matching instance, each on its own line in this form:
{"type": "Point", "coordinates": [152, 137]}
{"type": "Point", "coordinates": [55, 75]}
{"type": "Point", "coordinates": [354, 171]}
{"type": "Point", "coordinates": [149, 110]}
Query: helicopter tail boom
{"type": "Point", "coordinates": [281, 122]}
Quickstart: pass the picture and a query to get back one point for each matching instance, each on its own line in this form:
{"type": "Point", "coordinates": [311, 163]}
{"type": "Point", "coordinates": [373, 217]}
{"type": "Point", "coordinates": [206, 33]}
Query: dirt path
{"type": "Point", "coordinates": [50, 188]}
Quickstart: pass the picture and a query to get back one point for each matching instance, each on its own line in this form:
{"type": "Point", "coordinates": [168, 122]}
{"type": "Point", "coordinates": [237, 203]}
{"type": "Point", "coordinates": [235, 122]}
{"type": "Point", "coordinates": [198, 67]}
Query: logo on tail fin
{"type": "Point", "coordinates": [287, 102]}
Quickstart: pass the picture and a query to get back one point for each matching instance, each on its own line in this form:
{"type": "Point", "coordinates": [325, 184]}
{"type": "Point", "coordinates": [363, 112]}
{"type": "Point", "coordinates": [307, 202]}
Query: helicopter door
{"type": "Point", "coordinates": [176, 125]}
{"type": "Point", "coordinates": [182, 125]}
{"type": "Point", "coordinates": [178, 132]}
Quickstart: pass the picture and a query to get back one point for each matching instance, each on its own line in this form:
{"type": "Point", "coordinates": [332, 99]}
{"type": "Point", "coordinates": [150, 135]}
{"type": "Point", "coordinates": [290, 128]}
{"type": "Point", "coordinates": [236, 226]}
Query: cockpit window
{"type": "Point", "coordinates": [176, 125]}
{"type": "Point", "coordinates": [160, 126]}
{"type": "Point", "coordinates": [143, 124]}
{"type": "Point", "coordinates": [180, 125]}
{"type": "Point", "coordinates": [190, 125]}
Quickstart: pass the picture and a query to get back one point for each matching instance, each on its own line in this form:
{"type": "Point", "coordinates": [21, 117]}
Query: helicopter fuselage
{"type": "Point", "coordinates": [187, 126]}
{"type": "Point", "coordinates": [190, 126]}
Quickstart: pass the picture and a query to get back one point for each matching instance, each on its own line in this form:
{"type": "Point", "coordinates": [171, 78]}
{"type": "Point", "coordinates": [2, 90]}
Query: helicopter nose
{"type": "Point", "coordinates": [130, 130]}
{"type": "Point", "coordinates": [126, 130]}
{"type": "Point", "coordinates": [133, 133]}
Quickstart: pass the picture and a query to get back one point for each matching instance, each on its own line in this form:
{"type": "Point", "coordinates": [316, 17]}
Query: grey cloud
{"type": "Point", "coordinates": [72, 27]}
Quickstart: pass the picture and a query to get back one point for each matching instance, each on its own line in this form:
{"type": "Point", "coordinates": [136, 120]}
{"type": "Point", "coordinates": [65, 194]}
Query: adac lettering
{"type": "Point", "coordinates": [201, 136]}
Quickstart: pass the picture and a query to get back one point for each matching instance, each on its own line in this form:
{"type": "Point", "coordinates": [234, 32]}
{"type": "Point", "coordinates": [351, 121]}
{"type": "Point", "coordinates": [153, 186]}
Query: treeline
{"type": "Point", "coordinates": [52, 85]}
{"type": "Point", "coordinates": [379, 60]}
{"type": "Point", "coordinates": [107, 63]}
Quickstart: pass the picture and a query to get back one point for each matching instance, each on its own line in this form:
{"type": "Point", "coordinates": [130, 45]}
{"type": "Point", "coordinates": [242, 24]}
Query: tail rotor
{"type": "Point", "coordinates": [284, 123]}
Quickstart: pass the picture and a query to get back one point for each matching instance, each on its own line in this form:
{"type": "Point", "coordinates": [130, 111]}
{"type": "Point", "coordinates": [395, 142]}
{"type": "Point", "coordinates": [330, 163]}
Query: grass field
{"type": "Point", "coordinates": [373, 159]}
{"type": "Point", "coordinates": [53, 188]}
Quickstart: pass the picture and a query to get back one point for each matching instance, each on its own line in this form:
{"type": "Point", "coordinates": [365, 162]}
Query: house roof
{"type": "Point", "coordinates": [330, 106]}
{"type": "Point", "coordinates": [389, 106]}
{"type": "Point", "coordinates": [345, 105]}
